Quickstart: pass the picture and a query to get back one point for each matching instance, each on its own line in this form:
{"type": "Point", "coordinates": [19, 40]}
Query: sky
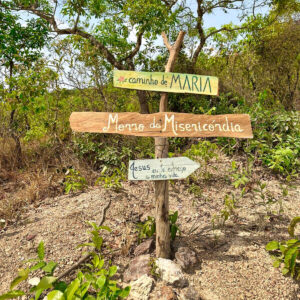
{"type": "Point", "coordinates": [215, 19]}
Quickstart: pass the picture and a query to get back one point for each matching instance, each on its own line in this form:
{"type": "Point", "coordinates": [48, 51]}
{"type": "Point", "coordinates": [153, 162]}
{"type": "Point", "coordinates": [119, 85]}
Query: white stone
{"type": "Point", "coordinates": [171, 272]}
{"type": "Point", "coordinates": [34, 281]}
{"type": "Point", "coordinates": [141, 288]}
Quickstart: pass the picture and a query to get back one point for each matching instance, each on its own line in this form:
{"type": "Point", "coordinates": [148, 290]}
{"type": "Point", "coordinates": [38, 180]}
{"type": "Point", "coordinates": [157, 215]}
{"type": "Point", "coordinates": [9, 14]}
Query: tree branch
{"type": "Point", "coordinates": [226, 29]}
{"type": "Point", "coordinates": [221, 4]}
{"type": "Point", "coordinates": [131, 55]}
{"type": "Point", "coordinates": [170, 4]}
{"type": "Point", "coordinates": [166, 42]}
{"type": "Point", "coordinates": [76, 22]}
{"type": "Point", "coordinates": [75, 31]}
{"type": "Point", "coordinates": [174, 49]}
{"type": "Point", "coordinates": [199, 27]}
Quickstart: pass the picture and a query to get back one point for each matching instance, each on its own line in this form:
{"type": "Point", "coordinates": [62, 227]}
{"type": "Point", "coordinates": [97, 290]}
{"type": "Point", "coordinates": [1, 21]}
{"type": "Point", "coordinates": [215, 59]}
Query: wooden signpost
{"type": "Point", "coordinates": [167, 82]}
{"type": "Point", "coordinates": [161, 169]}
{"type": "Point", "coordinates": [162, 125]}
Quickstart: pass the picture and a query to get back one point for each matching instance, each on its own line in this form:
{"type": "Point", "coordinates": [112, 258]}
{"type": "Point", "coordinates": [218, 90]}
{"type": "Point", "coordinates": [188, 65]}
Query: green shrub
{"type": "Point", "coordinates": [276, 141]}
{"type": "Point", "coordinates": [286, 254]}
{"type": "Point", "coordinates": [74, 181]}
{"type": "Point", "coordinates": [112, 179]}
{"type": "Point", "coordinates": [147, 229]}
{"type": "Point", "coordinates": [203, 152]}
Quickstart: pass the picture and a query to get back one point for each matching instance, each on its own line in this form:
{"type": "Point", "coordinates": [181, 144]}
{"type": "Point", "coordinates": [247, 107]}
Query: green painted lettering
{"type": "Point", "coordinates": [194, 82]}
{"type": "Point", "coordinates": [175, 80]}
{"type": "Point", "coordinates": [187, 81]}
{"type": "Point", "coordinates": [207, 80]}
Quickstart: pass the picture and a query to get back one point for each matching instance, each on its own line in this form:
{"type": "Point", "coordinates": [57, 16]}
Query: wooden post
{"type": "Point", "coordinates": [161, 151]}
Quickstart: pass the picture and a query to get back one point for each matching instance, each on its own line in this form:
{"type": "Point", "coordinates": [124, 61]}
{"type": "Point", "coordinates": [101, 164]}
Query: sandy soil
{"type": "Point", "coordinates": [233, 262]}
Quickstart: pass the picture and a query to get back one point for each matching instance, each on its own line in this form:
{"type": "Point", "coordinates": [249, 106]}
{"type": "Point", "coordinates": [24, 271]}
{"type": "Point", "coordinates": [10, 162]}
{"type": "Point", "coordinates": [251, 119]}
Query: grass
{"type": "Point", "coordinates": [41, 175]}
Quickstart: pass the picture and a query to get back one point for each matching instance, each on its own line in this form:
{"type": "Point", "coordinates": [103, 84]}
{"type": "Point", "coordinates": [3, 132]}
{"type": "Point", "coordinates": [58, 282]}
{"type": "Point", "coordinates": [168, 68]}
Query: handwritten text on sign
{"type": "Point", "coordinates": [161, 169]}
{"type": "Point", "coordinates": [167, 82]}
{"type": "Point", "coordinates": [163, 124]}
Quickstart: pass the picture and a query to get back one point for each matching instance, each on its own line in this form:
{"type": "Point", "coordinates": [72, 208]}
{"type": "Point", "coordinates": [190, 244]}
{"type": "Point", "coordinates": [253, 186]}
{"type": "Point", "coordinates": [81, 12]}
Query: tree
{"type": "Point", "coordinates": [19, 47]}
{"type": "Point", "coordinates": [265, 61]}
{"type": "Point", "coordinates": [109, 25]}
{"type": "Point", "coordinates": [114, 21]}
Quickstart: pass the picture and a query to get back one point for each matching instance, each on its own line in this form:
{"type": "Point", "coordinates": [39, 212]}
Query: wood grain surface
{"type": "Point", "coordinates": [165, 124]}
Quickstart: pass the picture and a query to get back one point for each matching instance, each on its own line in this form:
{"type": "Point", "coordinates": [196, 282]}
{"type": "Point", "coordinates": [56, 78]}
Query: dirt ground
{"type": "Point", "coordinates": [233, 262]}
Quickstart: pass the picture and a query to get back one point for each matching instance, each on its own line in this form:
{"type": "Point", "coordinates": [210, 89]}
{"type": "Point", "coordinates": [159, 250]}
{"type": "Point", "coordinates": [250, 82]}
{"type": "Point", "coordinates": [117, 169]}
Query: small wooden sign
{"type": "Point", "coordinates": [163, 124]}
{"type": "Point", "coordinates": [161, 169]}
{"type": "Point", "coordinates": [167, 82]}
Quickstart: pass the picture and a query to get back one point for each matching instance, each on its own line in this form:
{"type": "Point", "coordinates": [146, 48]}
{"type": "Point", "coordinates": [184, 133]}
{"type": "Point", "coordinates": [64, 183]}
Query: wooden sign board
{"type": "Point", "coordinates": [161, 169]}
{"type": "Point", "coordinates": [163, 124]}
{"type": "Point", "coordinates": [167, 82]}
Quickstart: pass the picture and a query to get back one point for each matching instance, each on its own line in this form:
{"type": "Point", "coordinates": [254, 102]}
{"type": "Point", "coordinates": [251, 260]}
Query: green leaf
{"type": "Point", "coordinates": [89, 277]}
{"type": "Point", "coordinates": [37, 266]}
{"type": "Point", "coordinates": [98, 240]}
{"type": "Point", "coordinates": [271, 246]}
{"type": "Point", "coordinates": [71, 289]}
{"type": "Point", "coordinates": [60, 286]}
{"type": "Point", "coordinates": [85, 245]}
{"type": "Point", "coordinates": [276, 263]}
{"type": "Point", "coordinates": [45, 283]}
{"type": "Point", "coordinates": [104, 170]}
{"type": "Point", "coordinates": [288, 255]}
{"type": "Point", "coordinates": [112, 271]}
{"type": "Point", "coordinates": [89, 297]}
{"type": "Point", "coordinates": [83, 289]}
{"type": "Point", "coordinates": [38, 293]}
{"type": "Point", "coordinates": [174, 217]}
{"type": "Point", "coordinates": [282, 248]}
{"type": "Point", "coordinates": [50, 267]}
{"type": "Point", "coordinates": [68, 188]}
{"type": "Point", "coordinates": [125, 292]}
{"type": "Point", "coordinates": [93, 224]}
{"type": "Point", "coordinates": [12, 294]}
{"type": "Point", "coordinates": [101, 264]}
{"type": "Point", "coordinates": [101, 281]}
{"type": "Point", "coordinates": [292, 242]}
{"type": "Point", "coordinates": [41, 250]}
{"type": "Point", "coordinates": [95, 260]}
{"type": "Point", "coordinates": [56, 295]}
{"type": "Point", "coordinates": [293, 263]}
{"type": "Point", "coordinates": [23, 275]}
{"type": "Point", "coordinates": [285, 271]}
{"type": "Point", "coordinates": [105, 228]}
{"type": "Point", "coordinates": [80, 276]}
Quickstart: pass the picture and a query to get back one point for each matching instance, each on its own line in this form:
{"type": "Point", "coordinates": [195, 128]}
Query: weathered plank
{"type": "Point", "coordinates": [161, 169]}
{"type": "Point", "coordinates": [167, 82]}
{"type": "Point", "coordinates": [163, 124]}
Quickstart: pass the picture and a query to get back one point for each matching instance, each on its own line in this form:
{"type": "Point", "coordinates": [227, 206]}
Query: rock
{"type": "Point", "coordinates": [186, 258]}
{"type": "Point", "coordinates": [171, 272]}
{"type": "Point", "coordinates": [138, 267]}
{"type": "Point", "coordinates": [144, 248]}
{"type": "Point", "coordinates": [141, 288]}
{"type": "Point", "coordinates": [34, 281]}
{"type": "Point", "coordinates": [189, 294]}
{"type": "Point", "coordinates": [30, 237]}
{"type": "Point", "coordinates": [166, 293]}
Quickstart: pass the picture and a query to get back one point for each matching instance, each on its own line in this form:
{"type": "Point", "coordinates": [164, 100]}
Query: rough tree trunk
{"type": "Point", "coordinates": [13, 134]}
{"type": "Point", "coordinates": [161, 151]}
{"type": "Point", "coordinates": [144, 108]}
